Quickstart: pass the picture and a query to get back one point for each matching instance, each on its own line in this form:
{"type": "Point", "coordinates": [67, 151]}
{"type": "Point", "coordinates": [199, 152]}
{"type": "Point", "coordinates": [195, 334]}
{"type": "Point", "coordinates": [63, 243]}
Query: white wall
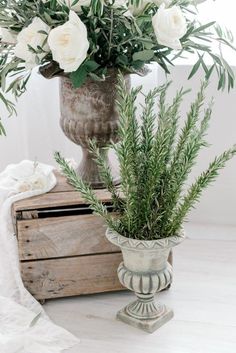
{"type": "Point", "coordinates": [35, 132]}
{"type": "Point", "coordinates": [218, 203]}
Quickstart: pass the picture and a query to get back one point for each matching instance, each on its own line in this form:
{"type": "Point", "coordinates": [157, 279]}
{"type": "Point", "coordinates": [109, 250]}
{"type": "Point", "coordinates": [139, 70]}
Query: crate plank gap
{"type": "Point", "coordinates": [63, 251]}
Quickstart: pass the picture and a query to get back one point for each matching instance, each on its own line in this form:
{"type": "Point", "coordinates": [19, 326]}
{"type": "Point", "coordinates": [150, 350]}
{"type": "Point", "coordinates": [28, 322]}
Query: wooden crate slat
{"type": "Point", "coordinates": [62, 184]}
{"type": "Point", "coordinates": [52, 200]}
{"type": "Point", "coordinates": [62, 236]}
{"type": "Point", "coordinates": [71, 276]}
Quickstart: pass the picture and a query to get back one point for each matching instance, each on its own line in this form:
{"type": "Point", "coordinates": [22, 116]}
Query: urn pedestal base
{"type": "Point", "coordinates": [88, 169]}
{"type": "Point", "coordinates": [145, 271]}
{"type": "Point", "coordinates": [148, 325]}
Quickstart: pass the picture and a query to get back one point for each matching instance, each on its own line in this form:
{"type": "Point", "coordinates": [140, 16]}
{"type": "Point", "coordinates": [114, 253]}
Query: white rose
{"type": "Point", "coordinates": [169, 26]}
{"type": "Point", "coordinates": [33, 37]}
{"type": "Point", "coordinates": [36, 181]}
{"type": "Point", "coordinates": [8, 36]}
{"type": "Point", "coordinates": [69, 43]}
{"type": "Point", "coordinates": [77, 6]}
{"type": "Point", "coordinates": [22, 186]}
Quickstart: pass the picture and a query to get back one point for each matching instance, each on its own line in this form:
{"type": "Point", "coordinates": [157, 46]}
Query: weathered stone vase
{"type": "Point", "coordinates": [87, 113]}
{"type": "Point", "coordinates": [145, 271]}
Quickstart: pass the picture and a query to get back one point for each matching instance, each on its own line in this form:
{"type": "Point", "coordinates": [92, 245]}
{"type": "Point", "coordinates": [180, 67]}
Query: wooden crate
{"type": "Point", "coordinates": [62, 246]}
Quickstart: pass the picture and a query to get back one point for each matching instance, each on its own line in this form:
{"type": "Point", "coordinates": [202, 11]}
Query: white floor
{"type": "Point", "coordinates": [203, 297]}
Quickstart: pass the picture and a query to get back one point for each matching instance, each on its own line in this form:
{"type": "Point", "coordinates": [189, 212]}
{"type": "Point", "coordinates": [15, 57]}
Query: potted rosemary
{"type": "Point", "coordinates": [155, 158]}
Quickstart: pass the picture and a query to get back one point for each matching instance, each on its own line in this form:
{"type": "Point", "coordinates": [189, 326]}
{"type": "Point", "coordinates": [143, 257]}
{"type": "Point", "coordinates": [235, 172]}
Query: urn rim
{"type": "Point", "coordinates": [135, 244]}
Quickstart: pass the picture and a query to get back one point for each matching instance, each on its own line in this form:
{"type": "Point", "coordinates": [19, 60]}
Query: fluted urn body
{"type": "Point", "coordinates": [145, 271]}
{"type": "Point", "coordinates": [89, 113]}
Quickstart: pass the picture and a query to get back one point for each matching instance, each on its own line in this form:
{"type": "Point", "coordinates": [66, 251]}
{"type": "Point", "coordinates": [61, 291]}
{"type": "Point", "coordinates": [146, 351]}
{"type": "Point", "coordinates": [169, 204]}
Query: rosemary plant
{"type": "Point", "coordinates": [156, 158]}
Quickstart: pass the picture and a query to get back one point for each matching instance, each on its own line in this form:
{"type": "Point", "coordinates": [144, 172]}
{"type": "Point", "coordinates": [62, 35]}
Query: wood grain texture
{"type": "Point", "coordinates": [71, 276]}
{"type": "Point", "coordinates": [62, 184]}
{"type": "Point", "coordinates": [63, 236]}
{"type": "Point", "coordinates": [52, 200]}
{"type": "Point", "coordinates": [63, 194]}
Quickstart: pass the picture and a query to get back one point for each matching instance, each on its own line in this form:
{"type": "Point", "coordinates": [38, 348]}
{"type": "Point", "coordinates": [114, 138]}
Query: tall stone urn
{"type": "Point", "coordinates": [88, 113]}
{"type": "Point", "coordinates": [145, 271]}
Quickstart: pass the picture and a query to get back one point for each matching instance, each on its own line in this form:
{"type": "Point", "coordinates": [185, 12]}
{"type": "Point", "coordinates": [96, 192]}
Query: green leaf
{"type": "Point", "coordinates": [43, 32]}
{"type": "Point", "coordinates": [205, 68]}
{"type": "Point", "coordinates": [74, 3]}
{"type": "Point", "coordinates": [208, 74]}
{"type": "Point", "coordinates": [137, 65]}
{"type": "Point", "coordinates": [95, 77]}
{"type": "Point", "coordinates": [144, 55]}
{"type": "Point", "coordinates": [230, 82]}
{"type": "Point", "coordinates": [122, 59]}
{"type": "Point", "coordinates": [222, 81]}
{"type": "Point", "coordinates": [203, 27]}
{"type": "Point", "coordinates": [228, 68]}
{"type": "Point", "coordinates": [79, 76]}
{"type": "Point", "coordinates": [91, 65]}
{"type": "Point", "coordinates": [148, 45]}
{"type": "Point", "coordinates": [194, 69]}
{"type": "Point", "coordinates": [48, 18]}
{"type": "Point", "coordinates": [216, 58]}
{"type": "Point", "coordinates": [2, 130]}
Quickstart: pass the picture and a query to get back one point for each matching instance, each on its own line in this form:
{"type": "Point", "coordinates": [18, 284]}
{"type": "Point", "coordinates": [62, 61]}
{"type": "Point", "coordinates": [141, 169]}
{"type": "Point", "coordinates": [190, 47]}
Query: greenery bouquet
{"type": "Point", "coordinates": [84, 38]}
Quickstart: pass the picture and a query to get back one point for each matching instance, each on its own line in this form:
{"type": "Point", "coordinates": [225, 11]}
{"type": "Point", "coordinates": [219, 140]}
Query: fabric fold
{"type": "Point", "coordinates": [24, 325]}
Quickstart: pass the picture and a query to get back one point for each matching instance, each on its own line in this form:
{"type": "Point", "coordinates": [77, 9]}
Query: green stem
{"type": "Point", "coordinates": [111, 34]}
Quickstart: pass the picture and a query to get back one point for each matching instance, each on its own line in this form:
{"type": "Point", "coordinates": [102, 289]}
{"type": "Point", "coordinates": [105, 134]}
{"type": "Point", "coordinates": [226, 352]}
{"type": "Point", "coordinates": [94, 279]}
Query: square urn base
{"type": "Point", "coordinates": [149, 326]}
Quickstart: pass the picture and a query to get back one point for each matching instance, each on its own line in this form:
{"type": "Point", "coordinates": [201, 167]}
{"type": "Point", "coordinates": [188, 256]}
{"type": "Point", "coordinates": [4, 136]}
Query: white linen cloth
{"type": "Point", "coordinates": [24, 326]}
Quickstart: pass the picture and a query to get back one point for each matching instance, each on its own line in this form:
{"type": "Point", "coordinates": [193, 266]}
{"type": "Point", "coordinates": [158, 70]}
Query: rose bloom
{"type": "Point", "coordinates": [69, 43]}
{"type": "Point", "coordinates": [36, 181]}
{"type": "Point", "coordinates": [169, 26]}
{"type": "Point", "coordinates": [8, 36]}
{"type": "Point", "coordinates": [31, 36]}
{"type": "Point", "coordinates": [77, 6]}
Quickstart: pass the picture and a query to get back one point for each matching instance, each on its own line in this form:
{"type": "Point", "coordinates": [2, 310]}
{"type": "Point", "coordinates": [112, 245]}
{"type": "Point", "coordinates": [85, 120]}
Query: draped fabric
{"type": "Point", "coordinates": [24, 326]}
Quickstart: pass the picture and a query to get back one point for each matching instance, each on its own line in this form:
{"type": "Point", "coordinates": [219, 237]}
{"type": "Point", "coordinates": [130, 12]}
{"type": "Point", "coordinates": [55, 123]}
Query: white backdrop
{"type": "Point", "coordinates": [35, 132]}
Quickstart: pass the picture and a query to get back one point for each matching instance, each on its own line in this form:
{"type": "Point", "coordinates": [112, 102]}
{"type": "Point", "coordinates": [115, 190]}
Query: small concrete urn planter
{"type": "Point", "coordinates": [88, 113]}
{"type": "Point", "coordinates": [145, 271]}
